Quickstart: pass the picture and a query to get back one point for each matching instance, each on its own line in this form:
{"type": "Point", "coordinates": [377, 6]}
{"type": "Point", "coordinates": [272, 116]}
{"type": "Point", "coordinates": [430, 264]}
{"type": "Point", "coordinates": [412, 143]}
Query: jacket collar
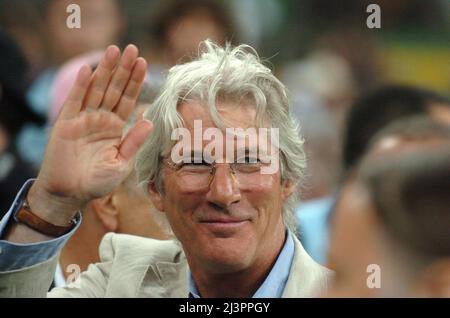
{"type": "Point", "coordinates": [170, 279]}
{"type": "Point", "coordinates": [166, 279]}
{"type": "Point", "coordinates": [307, 278]}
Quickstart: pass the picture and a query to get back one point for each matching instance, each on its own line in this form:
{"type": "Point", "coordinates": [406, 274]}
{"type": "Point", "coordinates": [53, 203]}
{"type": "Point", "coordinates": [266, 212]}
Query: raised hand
{"type": "Point", "coordinates": [86, 156]}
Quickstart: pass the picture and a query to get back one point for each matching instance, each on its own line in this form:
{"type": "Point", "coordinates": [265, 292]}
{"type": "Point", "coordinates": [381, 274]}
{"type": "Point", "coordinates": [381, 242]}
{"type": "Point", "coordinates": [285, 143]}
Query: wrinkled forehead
{"type": "Point", "coordinates": [232, 113]}
{"type": "Point", "coordinates": [238, 129]}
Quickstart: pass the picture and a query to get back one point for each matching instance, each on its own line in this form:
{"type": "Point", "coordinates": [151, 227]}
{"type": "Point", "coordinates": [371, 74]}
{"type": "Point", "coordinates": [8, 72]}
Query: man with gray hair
{"type": "Point", "coordinates": [206, 164]}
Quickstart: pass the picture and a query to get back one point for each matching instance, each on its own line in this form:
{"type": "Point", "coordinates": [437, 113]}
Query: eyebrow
{"type": "Point", "coordinates": [198, 154]}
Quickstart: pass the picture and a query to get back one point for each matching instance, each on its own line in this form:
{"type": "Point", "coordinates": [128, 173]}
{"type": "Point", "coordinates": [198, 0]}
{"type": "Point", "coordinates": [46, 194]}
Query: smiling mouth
{"type": "Point", "coordinates": [223, 226]}
{"type": "Point", "coordinates": [230, 223]}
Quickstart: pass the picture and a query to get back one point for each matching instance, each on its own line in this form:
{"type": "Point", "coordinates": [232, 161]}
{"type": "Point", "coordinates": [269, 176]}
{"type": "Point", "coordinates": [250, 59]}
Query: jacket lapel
{"type": "Point", "coordinates": [306, 278]}
{"type": "Point", "coordinates": [165, 280]}
{"type": "Point", "coordinates": [170, 279]}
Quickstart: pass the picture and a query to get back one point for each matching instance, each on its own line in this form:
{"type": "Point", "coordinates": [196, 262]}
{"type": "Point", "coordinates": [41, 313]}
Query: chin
{"type": "Point", "coordinates": [227, 258]}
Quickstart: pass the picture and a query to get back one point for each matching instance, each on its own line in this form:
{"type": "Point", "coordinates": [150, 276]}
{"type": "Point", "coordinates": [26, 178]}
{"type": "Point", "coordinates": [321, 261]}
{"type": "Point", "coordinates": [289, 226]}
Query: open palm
{"type": "Point", "coordinates": [86, 156]}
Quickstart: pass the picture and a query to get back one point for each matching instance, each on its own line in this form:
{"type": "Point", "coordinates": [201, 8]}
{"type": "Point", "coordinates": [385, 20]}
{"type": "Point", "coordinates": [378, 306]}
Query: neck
{"type": "Point", "coordinates": [82, 247]}
{"type": "Point", "coordinates": [244, 283]}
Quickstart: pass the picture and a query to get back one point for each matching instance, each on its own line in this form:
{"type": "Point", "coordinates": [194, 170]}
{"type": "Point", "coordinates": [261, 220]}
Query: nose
{"type": "Point", "coordinates": [223, 189]}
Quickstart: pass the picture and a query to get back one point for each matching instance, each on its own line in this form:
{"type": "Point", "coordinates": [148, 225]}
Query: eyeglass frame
{"type": "Point", "coordinates": [212, 167]}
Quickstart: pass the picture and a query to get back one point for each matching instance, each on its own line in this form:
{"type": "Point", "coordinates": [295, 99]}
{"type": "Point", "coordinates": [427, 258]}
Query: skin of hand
{"type": "Point", "coordinates": [86, 157]}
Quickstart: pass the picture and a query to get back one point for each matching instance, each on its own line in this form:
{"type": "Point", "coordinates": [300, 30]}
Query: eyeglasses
{"type": "Point", "coordinates": [198, 176]}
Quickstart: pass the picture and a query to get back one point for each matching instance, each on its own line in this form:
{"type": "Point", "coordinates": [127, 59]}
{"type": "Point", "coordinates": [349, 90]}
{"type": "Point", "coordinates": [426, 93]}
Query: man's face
{"type": "Point", "coordinates": [225, 227]}
{"type": "Point", "coordinates": [353, 244]}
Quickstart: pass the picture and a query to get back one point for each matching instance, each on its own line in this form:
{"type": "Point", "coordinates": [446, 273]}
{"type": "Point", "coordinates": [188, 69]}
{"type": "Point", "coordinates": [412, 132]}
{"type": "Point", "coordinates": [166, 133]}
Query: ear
{"type": "Point", "coordinates": [107, 211]}
{"type": "Point", "coordinates": [435, 281]}
{"type": "Point", "coordinates": [155, 197]}
{"type": "Point", "coordinates": [287, 188]}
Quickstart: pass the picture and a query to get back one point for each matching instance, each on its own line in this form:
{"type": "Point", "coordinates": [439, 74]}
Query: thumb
{"type": "Point", "coordinates": [135, 138]}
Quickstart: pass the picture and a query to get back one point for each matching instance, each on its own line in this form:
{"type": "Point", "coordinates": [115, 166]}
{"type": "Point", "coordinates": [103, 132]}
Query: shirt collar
{"type": "Point", "coordinates": [273, 285]}
{"type": "Point", "coordinates": [59, 280]}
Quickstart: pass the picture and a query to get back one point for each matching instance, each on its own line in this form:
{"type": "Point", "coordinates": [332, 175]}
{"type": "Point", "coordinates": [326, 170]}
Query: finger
{"type": "Point", "coordinates": [134, 139]}
{"type": "Point", "coordinates": [101, 77]}
{"type": "Point", "coordinates": [120, 77]}
{"type": "Point", "coordinates": [74, 101]}
{"type": "Point", "coordinates": [128, 99]}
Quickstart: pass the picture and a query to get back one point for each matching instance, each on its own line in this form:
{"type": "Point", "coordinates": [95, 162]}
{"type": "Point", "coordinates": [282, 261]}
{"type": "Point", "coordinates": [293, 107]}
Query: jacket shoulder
{"type": "Point", "coordinates": [134, 249]}
{"type": "Point", "coordinates": [307, 278]}
{"type": "Point", "coordinates": [124, 262]}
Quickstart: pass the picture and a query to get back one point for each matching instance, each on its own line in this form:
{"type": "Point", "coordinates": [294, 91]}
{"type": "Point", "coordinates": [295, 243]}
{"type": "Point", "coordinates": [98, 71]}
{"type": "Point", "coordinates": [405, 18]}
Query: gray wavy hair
{"type": "Point", "coordinates": [220, 74]}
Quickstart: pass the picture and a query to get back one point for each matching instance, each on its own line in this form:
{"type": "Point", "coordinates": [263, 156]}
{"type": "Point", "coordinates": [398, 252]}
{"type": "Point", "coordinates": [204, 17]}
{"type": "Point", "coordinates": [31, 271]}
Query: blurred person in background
{"type": "Point", "coordinates": [176, 30]}
{"type": "Point", "coordinates": [368, 115]}
{"type": "Point", "coordinates": [102, 23]}
{"type": "Point", "coordinates": [392, 218]}
{"type": "Point", "coordinates": [323, 86]}
{"type": "Point", "coordinates": [319, 129]}
{"type": "Point", "coordinates": [382, 106]}
{"type": "Point", "coordinates": [127, 209]}
{"type": "Point", "coordinates": [24, 23]}
{"type": "Point", "coordinates": [14, 113]}
{"type": "Point", "coordinates": [181, 25]}
{"type": "Point", "coordinates": [325, 76]}
{"type": "Point", "coordinates": [358, 47]}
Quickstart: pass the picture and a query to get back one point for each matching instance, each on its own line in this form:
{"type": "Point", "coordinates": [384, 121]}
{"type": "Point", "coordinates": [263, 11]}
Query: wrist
{"type": "Point", "coordinates": [54, 209]}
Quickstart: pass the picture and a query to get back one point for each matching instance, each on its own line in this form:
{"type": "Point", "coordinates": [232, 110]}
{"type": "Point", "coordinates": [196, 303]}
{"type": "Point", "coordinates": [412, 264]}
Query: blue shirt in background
{"type": "Point", "coordinates": [312, 226]}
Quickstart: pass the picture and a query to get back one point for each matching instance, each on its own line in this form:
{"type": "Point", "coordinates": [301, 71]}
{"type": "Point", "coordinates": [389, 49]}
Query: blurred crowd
{"type": "Point", "coordinates": [372, 103]}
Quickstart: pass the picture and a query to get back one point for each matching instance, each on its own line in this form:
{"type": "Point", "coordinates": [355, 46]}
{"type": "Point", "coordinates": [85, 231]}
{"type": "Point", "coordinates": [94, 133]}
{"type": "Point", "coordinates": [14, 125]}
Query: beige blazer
{"type": "Point", "coordinates": [132, 266]}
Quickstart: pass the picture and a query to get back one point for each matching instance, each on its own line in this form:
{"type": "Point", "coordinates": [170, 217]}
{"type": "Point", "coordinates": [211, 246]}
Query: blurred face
{"type": "Point", "coordinates": [440, 113]}
{"type": "Point", "coordinates": [353, 244]}
{"type": "Point", "coordinates": [358, 239]}
{"type": "Point", "coordinates": [101, 25]}
{"type": "Point", "coordinates": [137, 215]}
{"type": "Point", "coordinates": [184, 37]}
{"type": "Point", "coordinates": [229, 225]}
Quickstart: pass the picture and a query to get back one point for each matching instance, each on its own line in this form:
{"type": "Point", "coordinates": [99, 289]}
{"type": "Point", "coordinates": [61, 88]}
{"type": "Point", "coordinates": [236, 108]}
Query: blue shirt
{"type": "Point", "coordinates": [14, 256]}
{"type": "Point", "coordinates": [274, 284]}
{"type": "Point", "coordinates": [312, 226]}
